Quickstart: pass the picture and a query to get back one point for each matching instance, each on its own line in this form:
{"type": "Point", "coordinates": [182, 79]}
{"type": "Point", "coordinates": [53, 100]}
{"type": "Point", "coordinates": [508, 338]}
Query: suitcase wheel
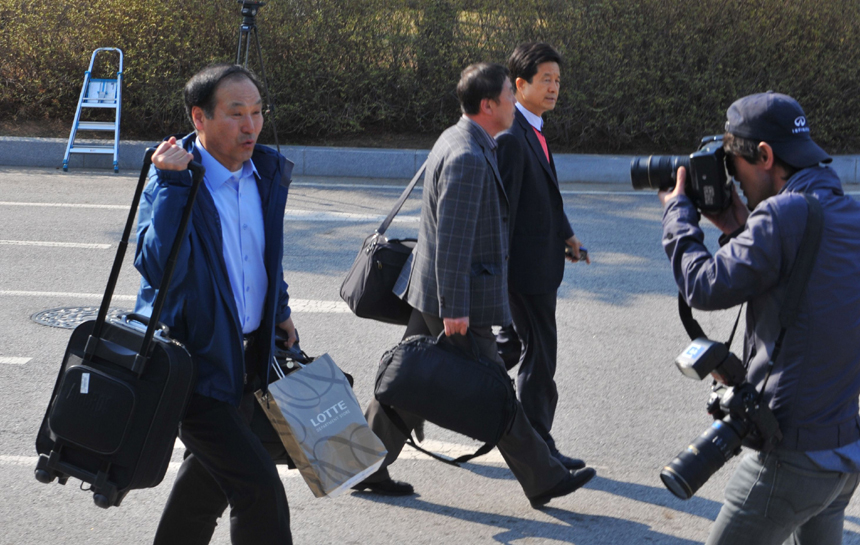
{"type": "Point", "coordinates": [101, 500]}
{"type": "Point", "coordinates": [43, 476]}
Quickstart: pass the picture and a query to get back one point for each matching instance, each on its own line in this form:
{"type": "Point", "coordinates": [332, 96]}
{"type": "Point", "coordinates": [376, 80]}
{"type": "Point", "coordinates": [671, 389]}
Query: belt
{"type": "Point", "coordinates": [247, 342]}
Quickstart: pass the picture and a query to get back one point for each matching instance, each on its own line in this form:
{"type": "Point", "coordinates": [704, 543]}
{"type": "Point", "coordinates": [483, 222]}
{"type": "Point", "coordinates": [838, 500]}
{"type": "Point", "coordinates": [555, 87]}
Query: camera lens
{"type": "Point", "coordinates": [708, 453]}
{"type": "Point", "coordinates": [656, 171]}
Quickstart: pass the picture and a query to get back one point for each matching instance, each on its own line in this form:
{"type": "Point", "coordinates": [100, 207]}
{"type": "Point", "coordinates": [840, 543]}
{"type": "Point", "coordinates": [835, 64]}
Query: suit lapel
{"type": "Point", "coordinates": [483, 140]}
{"type": "Point", "coordinates": [534, 143]}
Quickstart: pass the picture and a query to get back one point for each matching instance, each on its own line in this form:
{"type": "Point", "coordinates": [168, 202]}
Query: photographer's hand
{"type": "Point", "coordinates": [680, 186]}
{"type": "Point", "coordinates": [170, 156]}
{"type": "Point", "coordinates": [732, 218]}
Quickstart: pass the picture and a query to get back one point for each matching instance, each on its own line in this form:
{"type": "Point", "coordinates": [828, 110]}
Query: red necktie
{"type": "Point", "coordinates": [542, 141]}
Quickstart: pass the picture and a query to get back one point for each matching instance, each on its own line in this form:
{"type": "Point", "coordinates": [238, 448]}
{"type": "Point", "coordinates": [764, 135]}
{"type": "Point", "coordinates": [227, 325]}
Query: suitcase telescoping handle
{"type": "Point", "coordinates": [137, 362]}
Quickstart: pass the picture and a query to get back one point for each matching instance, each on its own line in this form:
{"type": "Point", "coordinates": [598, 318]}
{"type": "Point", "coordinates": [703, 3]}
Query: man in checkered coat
{"type": "Point", "coordinates": [456, 279]}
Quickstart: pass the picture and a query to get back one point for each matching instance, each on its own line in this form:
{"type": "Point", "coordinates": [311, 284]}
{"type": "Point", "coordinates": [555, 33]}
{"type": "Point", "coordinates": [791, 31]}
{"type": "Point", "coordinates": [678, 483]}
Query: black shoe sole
{"type": "Point", "coordinates": [373, 489]}
{"type": "Point", "coordinates": [581, 480]}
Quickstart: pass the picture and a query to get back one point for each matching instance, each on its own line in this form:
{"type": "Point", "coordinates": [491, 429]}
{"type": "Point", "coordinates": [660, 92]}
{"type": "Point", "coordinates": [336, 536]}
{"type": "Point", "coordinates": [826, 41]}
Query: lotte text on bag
{"type": "Point", "coordinates": [320, 423]}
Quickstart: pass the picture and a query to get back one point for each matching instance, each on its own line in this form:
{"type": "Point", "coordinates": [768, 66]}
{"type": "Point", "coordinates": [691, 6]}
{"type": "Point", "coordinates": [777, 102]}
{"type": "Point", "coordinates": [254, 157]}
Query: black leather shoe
{"type": "Point", "coordinates": [574, 481]}
{"type": "Point", "coordinates": [567, 461]}
{"type": "Point", "coordinates": [388, 487]}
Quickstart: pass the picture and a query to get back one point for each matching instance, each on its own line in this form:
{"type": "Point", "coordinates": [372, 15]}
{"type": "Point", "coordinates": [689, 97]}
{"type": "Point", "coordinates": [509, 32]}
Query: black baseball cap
{"type": "Point", "coordinates": [778, 120]}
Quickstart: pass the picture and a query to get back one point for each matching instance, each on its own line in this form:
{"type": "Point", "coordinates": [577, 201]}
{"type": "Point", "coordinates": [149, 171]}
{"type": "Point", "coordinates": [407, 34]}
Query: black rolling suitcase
{"type": "Point", "coordinates": [123, 387]}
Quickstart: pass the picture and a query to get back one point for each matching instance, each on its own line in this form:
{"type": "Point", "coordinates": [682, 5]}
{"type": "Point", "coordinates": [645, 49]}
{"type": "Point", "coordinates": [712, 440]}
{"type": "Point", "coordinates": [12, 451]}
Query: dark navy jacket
{"type": "Point", "coordinates": [814, 387]}
{"type": "Point", "coordinates": [200, 309]}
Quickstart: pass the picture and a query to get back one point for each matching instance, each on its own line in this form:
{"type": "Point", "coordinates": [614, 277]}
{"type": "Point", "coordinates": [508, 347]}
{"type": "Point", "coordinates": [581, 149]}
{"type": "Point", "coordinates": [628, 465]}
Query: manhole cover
{"type": "Point", "coordinates": [72, 317]}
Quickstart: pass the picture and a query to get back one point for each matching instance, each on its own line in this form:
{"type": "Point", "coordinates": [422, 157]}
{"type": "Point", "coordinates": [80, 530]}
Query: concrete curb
{"type": "Point", "coordinates": [346, 162]}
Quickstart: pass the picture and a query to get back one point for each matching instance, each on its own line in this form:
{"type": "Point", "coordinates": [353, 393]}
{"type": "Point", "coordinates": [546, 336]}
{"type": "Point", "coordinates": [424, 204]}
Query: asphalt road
{"type": "Point", "coordinates": [624, 408]}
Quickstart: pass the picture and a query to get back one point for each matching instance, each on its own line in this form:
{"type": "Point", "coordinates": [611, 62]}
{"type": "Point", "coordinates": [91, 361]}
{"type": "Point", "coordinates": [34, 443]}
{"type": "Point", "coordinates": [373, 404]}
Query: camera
{"type": "Point", "coordinates": [740, 417]}
{"type": "Point", "coordinates": [708, 183]}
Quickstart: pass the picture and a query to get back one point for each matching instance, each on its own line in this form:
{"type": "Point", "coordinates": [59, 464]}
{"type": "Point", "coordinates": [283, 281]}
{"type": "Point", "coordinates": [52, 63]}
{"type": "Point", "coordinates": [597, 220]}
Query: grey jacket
{"type": "Point", "coordinates": [814, 387]}
{"type": "Point", "coordinates": [458, 267]}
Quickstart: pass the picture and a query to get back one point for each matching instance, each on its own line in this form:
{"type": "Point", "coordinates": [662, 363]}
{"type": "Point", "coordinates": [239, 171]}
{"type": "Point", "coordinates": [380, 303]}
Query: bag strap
{"type": "Point", "coordinates": [399, 204]}
{"type": "Point", "coordinates": [404, 429]}
{"type": "Point", "coordinates": [139, 361]}
{"type": "Point", "coordinates": [803, 263]}
{"type": "Point", "coordinates": [797, 280]}
{"type": "Point", "coordinates": [798, 277]}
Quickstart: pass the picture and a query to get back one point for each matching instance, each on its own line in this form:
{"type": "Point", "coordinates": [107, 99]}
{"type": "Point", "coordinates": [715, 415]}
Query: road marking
{"type": "Point", "coordinates": [451, 450]}
{"type": "Point", "coordinates": [55, 244]}
{"type": "Point", "coordinates": [289, 215]}
{"type": "Point", "coordinates": [66, 205]}
{"type": "Point", "coordinates": [14, 361]}
{"type": "Point", "coordinates": [297, 305]}
{"type": "Point", "coordinates": [172, 467]}
{"type": "Point", "coordinates": [316, 215]}
{"type": "Point", "coordinates": [61, 294]}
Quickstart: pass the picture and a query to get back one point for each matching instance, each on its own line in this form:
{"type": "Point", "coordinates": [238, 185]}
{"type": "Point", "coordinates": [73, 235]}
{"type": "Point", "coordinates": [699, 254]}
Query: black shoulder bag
{"type": "Point", "coordinates": [367, 288]}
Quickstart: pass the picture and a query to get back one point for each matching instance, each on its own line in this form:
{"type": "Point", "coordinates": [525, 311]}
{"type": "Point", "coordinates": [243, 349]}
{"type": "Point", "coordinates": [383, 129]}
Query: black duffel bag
{"type": "Point", "coordinates": [367, 288]}
{"type": "Point", "coordinates": [461, 392]}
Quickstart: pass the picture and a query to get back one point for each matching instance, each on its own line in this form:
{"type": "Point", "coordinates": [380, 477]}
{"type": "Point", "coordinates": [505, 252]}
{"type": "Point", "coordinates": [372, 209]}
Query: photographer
{"type": "Point", "coordinates": [797, 492]}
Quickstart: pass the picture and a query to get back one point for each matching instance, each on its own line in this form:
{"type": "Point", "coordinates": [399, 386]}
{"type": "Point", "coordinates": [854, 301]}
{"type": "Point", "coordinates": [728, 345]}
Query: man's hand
{"type": "Point", "coordinates": [728, 221]}
{"type": "Point", "coordinates": [680, 186]}
{"type": "Point", "coordinates": [732, 218]}
{"type": "Point", "coordinates": [575, 245]}
{"type": "Point", "coordinates": [456, 326]}
{"type": "Point", "coordinates": [170, 156]}
{"type": "Point", "coordinates": [287, 325]}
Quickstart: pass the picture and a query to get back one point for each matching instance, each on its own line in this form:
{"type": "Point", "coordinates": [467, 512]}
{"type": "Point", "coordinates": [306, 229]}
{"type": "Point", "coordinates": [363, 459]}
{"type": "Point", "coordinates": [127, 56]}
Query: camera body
{"type": "Point", "coordinates": [740, 417]}
{"type": "Point", "coordinates": [708, 184]}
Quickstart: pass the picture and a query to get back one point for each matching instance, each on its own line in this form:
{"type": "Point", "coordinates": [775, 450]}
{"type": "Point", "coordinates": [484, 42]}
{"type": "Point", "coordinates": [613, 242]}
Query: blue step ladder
{"type": "Point", "coordinates": [98, 93]}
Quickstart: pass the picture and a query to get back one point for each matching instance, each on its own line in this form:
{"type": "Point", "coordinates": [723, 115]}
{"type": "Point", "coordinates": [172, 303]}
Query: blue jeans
{"type": "Point", "coordinates": [782, 498]}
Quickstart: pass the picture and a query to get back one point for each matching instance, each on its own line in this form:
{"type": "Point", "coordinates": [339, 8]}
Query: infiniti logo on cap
{"type": "Point", "coordinates": [800, 125]}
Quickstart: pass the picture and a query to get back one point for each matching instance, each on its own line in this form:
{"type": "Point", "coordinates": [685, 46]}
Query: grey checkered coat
{"type": "Point", "coordinates": [459, 266]}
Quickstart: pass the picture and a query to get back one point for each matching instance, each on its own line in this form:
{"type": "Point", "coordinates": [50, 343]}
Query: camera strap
{"type": "Point", "coordinates": [797, 280]}
{"type": "Point", "coordinates": [798, 277]}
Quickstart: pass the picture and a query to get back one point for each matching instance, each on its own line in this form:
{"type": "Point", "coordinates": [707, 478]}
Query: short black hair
{"type": "Point", "coordinates": [748, 150]}
{"type": "Point", "coordinates": [200, 89]}
{"type": "Point", "coordinates": [524, 61]}
{"type": "Point", "coordinates": [479, 81]}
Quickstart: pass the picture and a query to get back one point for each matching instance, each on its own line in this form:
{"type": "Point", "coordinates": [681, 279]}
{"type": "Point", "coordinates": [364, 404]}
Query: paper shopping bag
{"type": "Point", "coordinates": [322, 427]}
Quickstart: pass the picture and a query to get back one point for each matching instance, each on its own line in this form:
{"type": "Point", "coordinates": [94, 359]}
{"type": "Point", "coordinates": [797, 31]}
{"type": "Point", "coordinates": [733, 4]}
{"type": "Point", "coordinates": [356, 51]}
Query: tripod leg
{"type": "Point", "coordinates": [271, 105]}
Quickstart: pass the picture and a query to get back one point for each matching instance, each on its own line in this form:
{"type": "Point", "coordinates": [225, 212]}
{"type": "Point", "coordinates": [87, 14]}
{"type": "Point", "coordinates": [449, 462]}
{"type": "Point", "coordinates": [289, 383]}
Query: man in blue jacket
{"type": "Point", "coordinates": [226, 297]}
{"type": "Point", "coordinates": [797, 492]}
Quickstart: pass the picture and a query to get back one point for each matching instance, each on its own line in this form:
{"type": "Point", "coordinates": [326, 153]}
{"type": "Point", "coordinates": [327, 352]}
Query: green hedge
{"type": "Point", "coordinates": [646, 75]}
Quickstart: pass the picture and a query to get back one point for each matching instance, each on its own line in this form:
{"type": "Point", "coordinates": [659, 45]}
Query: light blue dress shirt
{"type": "Point", "coordinates": [237, 200]}
{"type": "Point", "coordinates": [535, 121]}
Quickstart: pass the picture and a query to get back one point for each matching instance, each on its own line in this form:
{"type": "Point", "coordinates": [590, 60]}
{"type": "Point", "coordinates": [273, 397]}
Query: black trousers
{"type": "Point", "coordinates": [226, 463]}
{"type": "Point", "coordinates": [534, 322]}
{"type": "Point", "coordinates": [526, 454]}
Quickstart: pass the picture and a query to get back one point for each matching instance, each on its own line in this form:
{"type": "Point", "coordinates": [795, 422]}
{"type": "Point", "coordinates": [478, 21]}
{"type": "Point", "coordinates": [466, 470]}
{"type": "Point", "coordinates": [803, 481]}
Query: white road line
{"type": "Point", "coordinates": [289, 215]}
{"type": "Point", "coordinates": [452, 450]}
{"type": "Point", "coordinates": [315, 215]}
{"type": "Point", "coordinates": [61, 294]}
{"type": "Point", "coordinates": [297, 305]}
{"type": "Point", "coordinates": [172, 467]}
{"type": "Point", "coordinates": [54, 244]}
{"type": "Point", "coordinates": [14, 361]}
{"type": "Point", "coordinates": [66, 205]}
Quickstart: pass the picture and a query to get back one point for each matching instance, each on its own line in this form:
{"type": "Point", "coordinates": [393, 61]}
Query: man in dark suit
{"type": "Point", "coordinates": [456, 279]}
{"type": "Point", "coordinates": [540, 233]}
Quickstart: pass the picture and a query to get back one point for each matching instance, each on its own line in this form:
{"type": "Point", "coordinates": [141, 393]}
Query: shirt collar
{"type": "Point", "coordinates": [216, 173]}
{"type": "Point", "coordinates": [489, 140]}
{"type": "Point", "coordinates": [535, 121]}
